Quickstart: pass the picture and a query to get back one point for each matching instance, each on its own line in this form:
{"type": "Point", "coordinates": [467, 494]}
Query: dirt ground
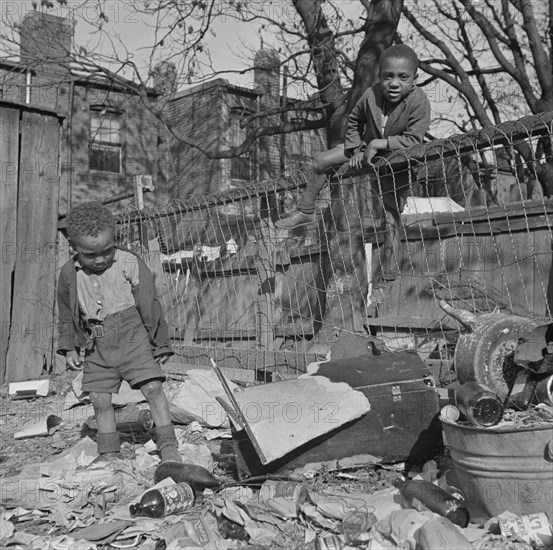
{"type": "Point", "coordinates": [14, 454]}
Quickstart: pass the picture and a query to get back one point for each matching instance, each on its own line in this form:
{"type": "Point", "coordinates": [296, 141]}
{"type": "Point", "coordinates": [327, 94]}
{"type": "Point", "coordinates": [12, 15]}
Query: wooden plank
{"type": "Point", "coordinates": [419, 230]}
{"type": "Point", "coordinates": [173, 367]}
{"type": "Point", "coordinates": [542, 268]}
{"type": "Point", "coordinates": [306, 329]}
{"type": "Point", "coordinates": [416, 323]}
{"type": "Point", "coordinates": [517, 261]}
{"type": "Point", "coordinates": [483, 213]}
{"type": "Point", "coordinates": [245, 358]}
{"type": "Point", "coordinates": [35, 270]}
{"type": "Point", "coordinates": [9, 153]}
{"type": "Point", "coordinates": [25, 107]}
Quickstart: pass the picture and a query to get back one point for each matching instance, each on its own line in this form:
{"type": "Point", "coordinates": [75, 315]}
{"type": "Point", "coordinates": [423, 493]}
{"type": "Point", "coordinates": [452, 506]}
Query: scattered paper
{"type": "Point", "coordinates": [198, 398]}
{"type": "Point", "coordinates": [32, 428]}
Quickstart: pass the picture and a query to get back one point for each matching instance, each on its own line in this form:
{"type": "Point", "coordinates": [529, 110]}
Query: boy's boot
{"type": "Point", "coordinates": [296, 220]}
{"type": "Point", "coordinates": [167, 444]}
{"type": "Point", "coordinates": [108, 446]}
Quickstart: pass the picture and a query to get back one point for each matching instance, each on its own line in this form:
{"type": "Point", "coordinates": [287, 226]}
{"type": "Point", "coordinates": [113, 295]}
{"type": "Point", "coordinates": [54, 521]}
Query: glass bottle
{"type": "Point", "coordinates": [161, 502]}
{"type": "Point", "coordinates": [480, 406]}
{"type": "Point", "coordinates": [435, 499]}
{"type": "Point", "coordinates": [523, 390]}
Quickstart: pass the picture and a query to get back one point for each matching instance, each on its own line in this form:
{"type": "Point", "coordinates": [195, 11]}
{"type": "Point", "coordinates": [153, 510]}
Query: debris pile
{"type": "Point", "coordinates": [345, 456]}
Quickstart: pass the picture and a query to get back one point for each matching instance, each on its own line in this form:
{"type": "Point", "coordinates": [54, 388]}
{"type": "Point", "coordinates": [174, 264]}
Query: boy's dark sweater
{"type": "Point", "coordinates": [407, 122]}
{"type": "Point", "coordinates": [71, 324]}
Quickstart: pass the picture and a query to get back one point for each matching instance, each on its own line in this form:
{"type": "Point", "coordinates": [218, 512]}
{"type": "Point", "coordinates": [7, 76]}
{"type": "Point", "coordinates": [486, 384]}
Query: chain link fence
{"type": "Point", "coordinates": [474, 230]}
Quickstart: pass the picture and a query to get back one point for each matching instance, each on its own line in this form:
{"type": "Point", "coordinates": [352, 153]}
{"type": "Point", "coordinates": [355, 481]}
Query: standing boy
{"type": "Point", "coordinates": [108, 309]}
{"type": "Point", "coordinates": [393, 114]}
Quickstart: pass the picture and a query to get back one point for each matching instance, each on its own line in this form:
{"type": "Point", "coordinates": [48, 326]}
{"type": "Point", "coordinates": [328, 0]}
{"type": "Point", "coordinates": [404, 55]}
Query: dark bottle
{"type": "Point", "coordinates": [161, 502]}
{"type": "Point", "coordinates": [480, 406]}
{"type": "Point", "coordinates": [523, 390]}
{"type": "Point", "coordinates": [435, 499]}
{"type": "Point", "coordinates": [135, 421]}
{"type": "Point", "coordinates": [196, 476]}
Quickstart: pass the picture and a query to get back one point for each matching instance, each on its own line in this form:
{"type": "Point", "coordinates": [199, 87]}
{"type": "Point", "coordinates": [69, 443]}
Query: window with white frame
{"type": "Point", "coordinates": [105, 140]}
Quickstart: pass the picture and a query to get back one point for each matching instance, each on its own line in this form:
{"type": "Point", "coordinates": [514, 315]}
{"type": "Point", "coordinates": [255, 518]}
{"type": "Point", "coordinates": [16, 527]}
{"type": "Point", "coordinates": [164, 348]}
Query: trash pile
{"type": "Point", "coordinates": [324, 461]}
{"type": "Point", "coordinates": [85, 505]}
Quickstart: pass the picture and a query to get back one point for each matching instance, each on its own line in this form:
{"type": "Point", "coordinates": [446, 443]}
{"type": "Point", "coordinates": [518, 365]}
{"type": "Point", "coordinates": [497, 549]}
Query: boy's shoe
{"type": "Point", "coordinates": [297, 220]}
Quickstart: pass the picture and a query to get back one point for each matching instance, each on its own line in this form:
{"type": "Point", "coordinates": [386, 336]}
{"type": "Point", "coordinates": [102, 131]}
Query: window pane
{"type": "Point", "coordinates": [105, 127]}
{"type": "Point", "coordinates": [105, 159]}
{"type": "Point", "coordinates": [94, 122]}
{"type": "Point", "coordinates": [240, 168]}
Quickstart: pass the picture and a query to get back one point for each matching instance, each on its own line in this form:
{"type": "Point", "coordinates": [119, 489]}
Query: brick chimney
{"type": "Point", "coordinates": [45, 41]}
{"type": "Point", "coordinates": [267, 83]}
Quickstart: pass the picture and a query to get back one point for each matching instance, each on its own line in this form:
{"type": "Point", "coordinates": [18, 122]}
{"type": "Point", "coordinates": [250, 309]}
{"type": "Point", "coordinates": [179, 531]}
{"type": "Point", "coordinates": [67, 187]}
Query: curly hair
{"type": "Point", "coordinates": [88, 219]}
{"type": "Point", "coordinates": [402, 51]}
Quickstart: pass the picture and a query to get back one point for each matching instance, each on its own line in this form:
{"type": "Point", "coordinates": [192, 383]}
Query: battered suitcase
{"type": "Point", "coordinates": [402, 424]}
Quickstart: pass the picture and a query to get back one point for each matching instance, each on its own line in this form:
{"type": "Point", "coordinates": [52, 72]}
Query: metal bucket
{"type": "Point", "coordinates": [502, 469]}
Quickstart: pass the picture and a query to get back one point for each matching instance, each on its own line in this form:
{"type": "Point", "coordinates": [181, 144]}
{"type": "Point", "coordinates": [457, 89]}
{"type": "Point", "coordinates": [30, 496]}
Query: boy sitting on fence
{"type": "Point", "coordinates": [393, 114]}
{"type": "Point", "coordinates": [108, 308]}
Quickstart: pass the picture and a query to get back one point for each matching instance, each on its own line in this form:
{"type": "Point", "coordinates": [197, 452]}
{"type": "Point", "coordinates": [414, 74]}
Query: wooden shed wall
{"type": "Point", "coordinates": [478, 260]}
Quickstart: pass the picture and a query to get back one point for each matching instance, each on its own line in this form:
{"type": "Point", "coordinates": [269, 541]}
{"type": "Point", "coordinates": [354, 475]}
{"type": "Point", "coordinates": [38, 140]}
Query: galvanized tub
{"type": "Point", "coordinates": [503, 468]}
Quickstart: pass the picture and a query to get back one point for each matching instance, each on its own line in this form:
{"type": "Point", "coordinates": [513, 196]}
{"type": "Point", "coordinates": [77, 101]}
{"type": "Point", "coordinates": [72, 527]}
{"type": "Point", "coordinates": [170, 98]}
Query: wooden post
{"type": "Point", "coordinates": [140, 184]}
{"type": "Point", "coordinates": [266, 272]}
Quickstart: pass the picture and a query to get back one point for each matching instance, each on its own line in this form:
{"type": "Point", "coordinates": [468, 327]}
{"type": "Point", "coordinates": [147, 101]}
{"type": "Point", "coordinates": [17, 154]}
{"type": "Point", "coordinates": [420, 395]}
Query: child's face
{"type": "Point", "coordinates": [96, 253]}
{"type": "Point", "coordinates": [397, 77]}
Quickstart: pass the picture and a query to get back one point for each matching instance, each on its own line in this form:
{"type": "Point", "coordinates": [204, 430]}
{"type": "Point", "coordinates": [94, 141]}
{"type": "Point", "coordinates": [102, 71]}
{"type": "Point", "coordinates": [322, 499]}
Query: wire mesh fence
{"type": "Point", "coordinates": [464, 219]}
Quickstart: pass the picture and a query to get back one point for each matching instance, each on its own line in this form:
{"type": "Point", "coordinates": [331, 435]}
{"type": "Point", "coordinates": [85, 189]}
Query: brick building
{"type": "Point", "coordinates": [108, 134]}
{"type": "Point", "coordinates": [219, 115]}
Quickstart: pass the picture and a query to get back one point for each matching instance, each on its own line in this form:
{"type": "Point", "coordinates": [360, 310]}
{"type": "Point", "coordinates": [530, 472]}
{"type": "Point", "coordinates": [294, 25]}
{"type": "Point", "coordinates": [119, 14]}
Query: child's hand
{"type": "Point", "coordinates": [73, 361]}
{"type": "Point", "coordinates": [162, 359]}
{"type": "Point", "coordinates": [357, 160]}
{"type": "Point", "coordinates": [369, 153]}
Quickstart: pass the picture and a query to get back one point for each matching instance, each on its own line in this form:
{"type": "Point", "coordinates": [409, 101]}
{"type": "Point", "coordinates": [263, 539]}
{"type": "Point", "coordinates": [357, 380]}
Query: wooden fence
{"type": "Point", "coordinates": [29, 191]}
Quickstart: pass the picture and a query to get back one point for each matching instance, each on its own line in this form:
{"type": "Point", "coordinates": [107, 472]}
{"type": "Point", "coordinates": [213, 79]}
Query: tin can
{"type": "Point", "coordinates": [544, 391]}
{"type": "Point", "coordinates": [534, 529]}
{"type": "Point", "coordinates": [450, 412]}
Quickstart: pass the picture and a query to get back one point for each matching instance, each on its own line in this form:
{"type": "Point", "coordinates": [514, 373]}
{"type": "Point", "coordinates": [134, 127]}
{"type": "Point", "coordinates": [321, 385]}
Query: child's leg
{"type": "Point", "coordinates": [167, 444]}
{"type": "Point", "coordinates": [322, 162]}
{"type": "Point", "coordinates": [389, 259]}
{"type": "Point", "coordinates": [388, 269]}
{"type": "Point", "coordinates": [108, 441]}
